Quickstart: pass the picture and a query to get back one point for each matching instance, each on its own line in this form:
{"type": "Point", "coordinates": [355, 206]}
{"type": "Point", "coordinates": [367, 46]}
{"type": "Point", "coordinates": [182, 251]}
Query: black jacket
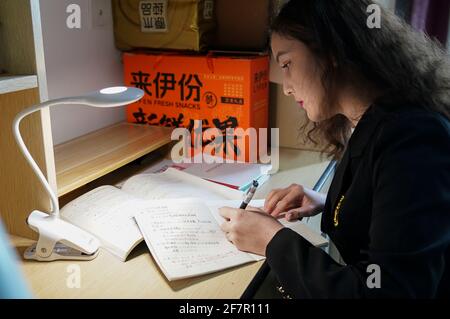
{"type": "Point", "coordinates": [388, 205]}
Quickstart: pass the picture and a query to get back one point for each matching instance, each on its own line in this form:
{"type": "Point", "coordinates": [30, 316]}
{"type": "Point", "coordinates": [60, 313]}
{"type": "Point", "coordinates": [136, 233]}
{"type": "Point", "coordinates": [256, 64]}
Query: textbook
{"type": "Point", "coordinates": [177, 215]}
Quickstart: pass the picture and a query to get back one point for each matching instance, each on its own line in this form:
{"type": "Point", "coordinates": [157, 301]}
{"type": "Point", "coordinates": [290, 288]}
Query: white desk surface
{"type": "Point", "coordinates": [139, 277]}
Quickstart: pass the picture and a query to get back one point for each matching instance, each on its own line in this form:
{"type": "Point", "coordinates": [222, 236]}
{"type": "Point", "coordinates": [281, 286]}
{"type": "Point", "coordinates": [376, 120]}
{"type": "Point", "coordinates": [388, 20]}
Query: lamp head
{"type": "Point", "coordinates": [113, 96]}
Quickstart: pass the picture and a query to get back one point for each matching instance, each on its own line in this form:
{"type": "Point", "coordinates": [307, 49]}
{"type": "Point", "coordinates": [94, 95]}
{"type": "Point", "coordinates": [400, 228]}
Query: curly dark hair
{"type": "Point", "coordinates": [408, 67]}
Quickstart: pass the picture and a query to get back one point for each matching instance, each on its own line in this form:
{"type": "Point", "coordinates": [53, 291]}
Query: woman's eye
{"type": "Point", "coordinates": [286, 65]}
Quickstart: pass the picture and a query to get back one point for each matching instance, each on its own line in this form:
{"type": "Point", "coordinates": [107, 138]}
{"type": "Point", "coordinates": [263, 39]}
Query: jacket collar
{"type": "Point", "coordinates": [360, 139]}
{"type": "Point", "coordinates": [365, 129]}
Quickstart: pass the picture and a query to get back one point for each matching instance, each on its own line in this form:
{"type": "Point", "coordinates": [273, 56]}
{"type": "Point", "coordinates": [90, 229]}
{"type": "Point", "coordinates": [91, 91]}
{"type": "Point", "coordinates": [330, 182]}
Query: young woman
{"type": "Point", "coordinates": [388, 207]}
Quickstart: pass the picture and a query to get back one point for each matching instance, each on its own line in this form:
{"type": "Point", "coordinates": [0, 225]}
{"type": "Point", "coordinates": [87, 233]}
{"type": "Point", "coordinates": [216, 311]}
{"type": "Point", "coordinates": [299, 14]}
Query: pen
{"type": "Point", "coordinates": [249, 195]}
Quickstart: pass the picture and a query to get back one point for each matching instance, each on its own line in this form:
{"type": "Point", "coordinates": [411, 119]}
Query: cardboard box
{"type": "Point", "coordinates": [224, 92]}
{"type": "Point", "coordinates": [163, 24]}
{"type": "Point", "coordinates": [244, 25]}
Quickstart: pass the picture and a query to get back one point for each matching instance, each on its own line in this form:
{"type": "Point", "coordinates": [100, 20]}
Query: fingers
{"type": "Point", "coordinates": [300, 212]}
{"type": "Point", "coordinates": [279, 201]}
{"type": "Point", "coordinates": [229, 237]}
{"type": "Point", "coordinates": [227, 212]}
{"type": "Point", "coordinates": [226, 227]}
{"type": "Point", "coordinates": [285, 204]}
{"type": "Point", "coordinates": [230, 214]}
{"type": "Point", "coordinates": [269, 198]}
{"type": "Point", "coordinates": [273, 198]}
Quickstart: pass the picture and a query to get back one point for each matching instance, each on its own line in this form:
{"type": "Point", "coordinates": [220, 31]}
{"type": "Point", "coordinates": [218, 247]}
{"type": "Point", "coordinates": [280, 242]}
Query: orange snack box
{"type": "Point", "coordinates": [222, 91]}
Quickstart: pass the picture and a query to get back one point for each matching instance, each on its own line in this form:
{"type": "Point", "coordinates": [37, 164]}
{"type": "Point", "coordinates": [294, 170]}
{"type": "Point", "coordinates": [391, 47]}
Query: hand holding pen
{"type": "Point", "coordinates": [250, 231]}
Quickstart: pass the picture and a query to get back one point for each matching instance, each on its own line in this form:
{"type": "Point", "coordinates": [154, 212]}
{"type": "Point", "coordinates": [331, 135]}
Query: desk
{"type": "Point", "coordinates": [139, 277]}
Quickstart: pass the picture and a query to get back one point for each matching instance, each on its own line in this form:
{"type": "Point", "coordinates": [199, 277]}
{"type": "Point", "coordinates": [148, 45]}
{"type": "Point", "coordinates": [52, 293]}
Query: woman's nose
{"type": "Point", "coordinates": [287, 89]}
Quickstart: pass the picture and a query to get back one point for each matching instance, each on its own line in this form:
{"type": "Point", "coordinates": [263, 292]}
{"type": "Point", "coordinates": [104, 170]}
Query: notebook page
{"type": "Point", "coordinates": [107, 213]}
{"type": "Point", "coordinates": [185, 239]}
{"type": "Point", "coordinates": [176, 184]}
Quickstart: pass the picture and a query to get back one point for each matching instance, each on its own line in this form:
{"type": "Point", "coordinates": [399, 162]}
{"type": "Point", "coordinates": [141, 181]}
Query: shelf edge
{"type": "Point", "coordinates": [9, 84]}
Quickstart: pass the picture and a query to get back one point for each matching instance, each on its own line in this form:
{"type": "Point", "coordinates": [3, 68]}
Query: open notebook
{"type": "Point", "coordinates": [185, 238]}
{"type": "Point", "coordinates": [176, 213]}
{"type": "Point", "coordinates": [108, 212]}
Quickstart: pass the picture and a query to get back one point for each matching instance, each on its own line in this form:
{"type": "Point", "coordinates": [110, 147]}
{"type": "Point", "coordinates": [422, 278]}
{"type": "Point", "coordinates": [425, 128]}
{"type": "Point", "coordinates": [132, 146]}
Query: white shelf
{"type": "Point", "coordinates": [9, 84]}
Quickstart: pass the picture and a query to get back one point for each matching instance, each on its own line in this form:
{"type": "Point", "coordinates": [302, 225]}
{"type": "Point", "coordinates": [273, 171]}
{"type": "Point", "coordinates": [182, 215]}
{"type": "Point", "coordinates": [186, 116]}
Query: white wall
{"type": "Point", "coordinates": [78, 61]}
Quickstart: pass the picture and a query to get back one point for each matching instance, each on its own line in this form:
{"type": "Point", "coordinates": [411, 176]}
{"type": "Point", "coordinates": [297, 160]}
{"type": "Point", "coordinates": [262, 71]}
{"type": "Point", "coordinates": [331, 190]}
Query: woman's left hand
{"type": "Point", "coordinates": [249, 230]}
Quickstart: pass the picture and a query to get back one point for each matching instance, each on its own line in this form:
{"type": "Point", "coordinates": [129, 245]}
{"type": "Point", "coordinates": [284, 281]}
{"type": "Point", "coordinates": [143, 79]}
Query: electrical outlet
{"type": "Point", "coordinates": [100, 13]}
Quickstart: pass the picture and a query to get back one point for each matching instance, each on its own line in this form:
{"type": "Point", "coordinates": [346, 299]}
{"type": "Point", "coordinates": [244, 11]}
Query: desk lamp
{"type": "Point", "coordinates": [59, 239]}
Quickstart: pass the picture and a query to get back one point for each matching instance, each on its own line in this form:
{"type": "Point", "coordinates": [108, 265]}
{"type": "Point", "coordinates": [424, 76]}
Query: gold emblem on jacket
{"type": "Point", "coordinates": [337, 210]}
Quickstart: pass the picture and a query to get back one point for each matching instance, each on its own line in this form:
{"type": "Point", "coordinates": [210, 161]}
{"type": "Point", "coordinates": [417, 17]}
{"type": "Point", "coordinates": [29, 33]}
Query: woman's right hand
{"type": "Point", "coordinates": [295, 201]}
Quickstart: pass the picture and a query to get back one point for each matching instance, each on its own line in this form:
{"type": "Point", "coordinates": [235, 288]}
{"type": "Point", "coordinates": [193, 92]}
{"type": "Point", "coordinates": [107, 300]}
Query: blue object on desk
{"type": "Point", "coordinates": [12, 284]}
{"type": "Point", "coordinates": [261, 179]}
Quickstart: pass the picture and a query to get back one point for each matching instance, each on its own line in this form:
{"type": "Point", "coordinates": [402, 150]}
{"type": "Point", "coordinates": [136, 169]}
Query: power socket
{"type": "Point", "coordinates": [101, 13]}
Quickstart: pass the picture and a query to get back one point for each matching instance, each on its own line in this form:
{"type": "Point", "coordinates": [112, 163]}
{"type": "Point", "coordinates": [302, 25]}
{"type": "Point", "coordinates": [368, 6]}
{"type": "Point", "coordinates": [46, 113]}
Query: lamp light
{"type": "Point", "coordinates": [59, 239]}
